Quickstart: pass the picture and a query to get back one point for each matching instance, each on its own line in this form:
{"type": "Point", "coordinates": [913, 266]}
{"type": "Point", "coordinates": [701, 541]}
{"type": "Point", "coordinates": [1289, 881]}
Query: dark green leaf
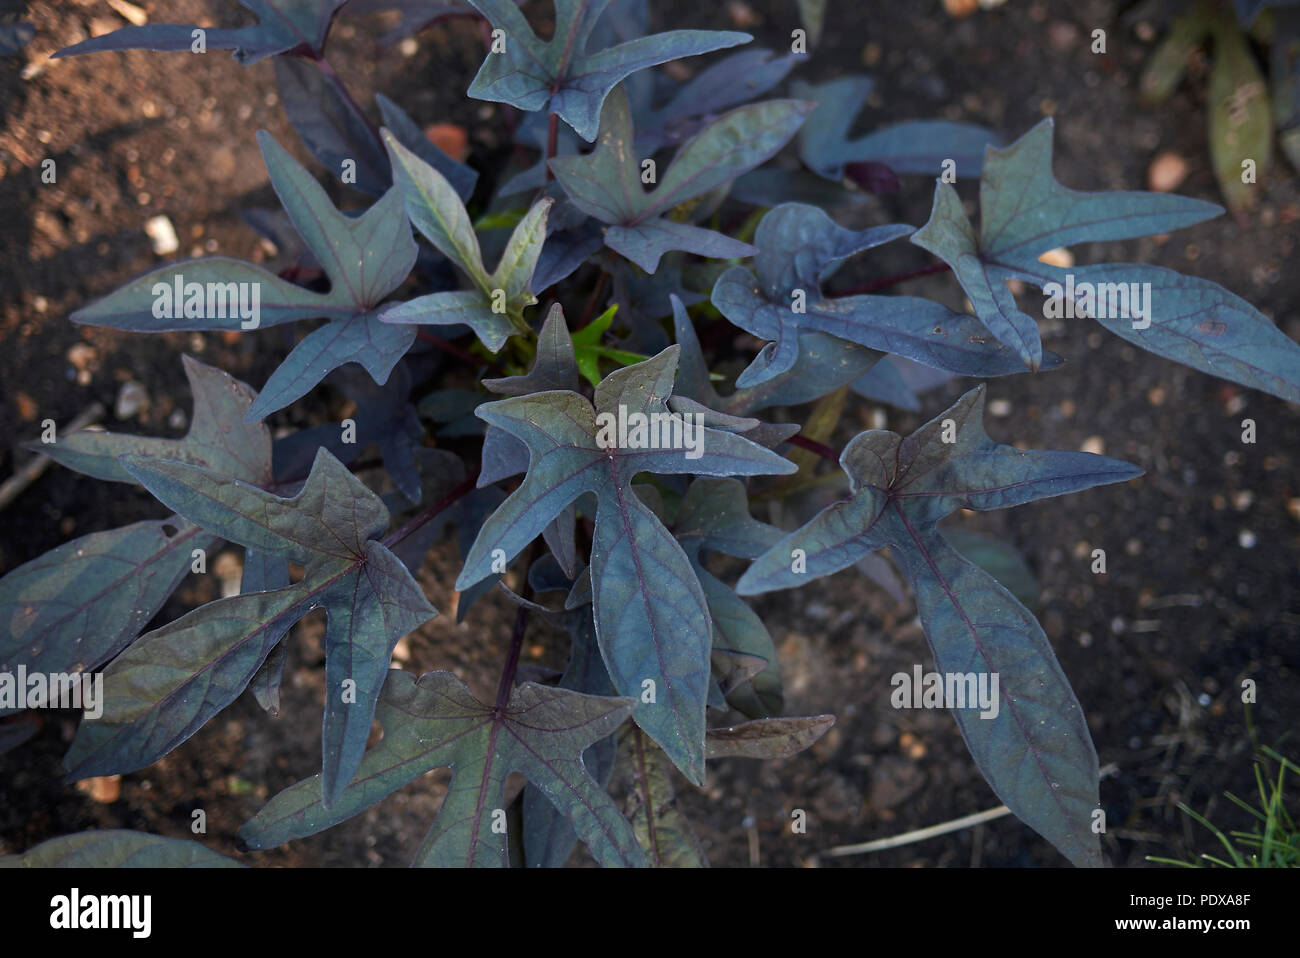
{"type": "Point", "coordinates": [562, 75]}
{"type": "Point", "coordinates": [1025, 212]}
{"type": "Point", "coordinates": [1034, 750]}
{"type": "Point", "coordinates": [652, 620]}
{"type": "Point", "coordinates": [435, 722]}
{"type": "Point", "coordinates": [171, 681]}
{"type": "Point", "coordinates": [607, 183]}
{"type": "Point", "coordinates": [663, 831]}
{"type": "Point", "coordinates": [798, 246]}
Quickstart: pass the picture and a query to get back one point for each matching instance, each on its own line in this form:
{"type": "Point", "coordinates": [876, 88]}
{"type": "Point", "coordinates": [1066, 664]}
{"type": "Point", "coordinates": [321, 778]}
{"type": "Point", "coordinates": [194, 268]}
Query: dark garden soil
{"type": "Point", "coordinates": [1202, 590]}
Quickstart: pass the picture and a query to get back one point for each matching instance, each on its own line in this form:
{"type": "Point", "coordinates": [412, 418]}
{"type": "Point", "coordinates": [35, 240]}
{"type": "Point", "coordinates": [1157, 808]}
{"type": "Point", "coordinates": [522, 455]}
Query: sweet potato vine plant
{"type": "Point", "coordinates": [597, 464]}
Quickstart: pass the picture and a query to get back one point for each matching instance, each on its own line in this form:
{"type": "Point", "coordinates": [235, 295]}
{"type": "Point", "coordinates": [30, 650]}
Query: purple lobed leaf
{"type": "Point", "coordinates": [564, 77]}
{"type": "Point", "coordinates": [1035, 750]}
{"type": "Point", "coordinates": [171, 681]}
{"type": "Point", "coordinates": [435, 721]}
{"type": "Point", "coordinates": [636, 563]}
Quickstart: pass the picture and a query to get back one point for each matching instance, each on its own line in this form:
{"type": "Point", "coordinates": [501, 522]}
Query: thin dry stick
{"type": "Point", "coordinates": [934, 831]}
{"type": "Point", "coordinates": [24, 477]}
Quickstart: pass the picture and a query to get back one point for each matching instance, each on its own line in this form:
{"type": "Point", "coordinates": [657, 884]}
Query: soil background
{"type": "Point", "coordinates": [1202, 584]}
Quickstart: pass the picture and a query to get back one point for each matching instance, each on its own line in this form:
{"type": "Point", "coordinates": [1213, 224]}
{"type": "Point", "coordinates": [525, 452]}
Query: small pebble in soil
{"type": "Point", "coordinates": [27, 407]}
{"type": "Point", "coordinates": [1246, 539]}
{"type": "Point", "coordinates": [1167, 172]}
{"type": "Point", "coordinates": [743, 15]}
{"type": "Point", "coordinates": [83, 358]}
{"type": "Point", "coordinates": [105, 789]}
{"type": "Point", "coordinates": [1095, 445]}
{"type": "Point", "coordinates": [162, 235]}
{"type": "Point", "coordinates": [132, 399]}
{"type": "Point", "coordinates": [1062, 34]}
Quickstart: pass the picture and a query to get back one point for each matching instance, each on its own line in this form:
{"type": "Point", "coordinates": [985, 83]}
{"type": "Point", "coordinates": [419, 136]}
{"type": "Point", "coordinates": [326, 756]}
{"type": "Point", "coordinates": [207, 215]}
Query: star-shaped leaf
{"type": "Point", "coordinates": [219, 438]}
{"type": "Point", "coordinates": [798, 247]}
{"type": "Point", "coordinates": [365, 257]}
{"type": "Point", "coordinates": [561, 75]}
{"type": "Point", "coordinates": [916, 146]}
{"type": "Point", "coordinates": [652, 619]}
{"type": "Point", "coordinates": [172, 680]}
{"type": "Point", "coordinates": [77, 606]}
{"type": "Point", "coordinates": [435, 722]}
{"type": "Point", "coordinates": [1024, 212]}
{"type": "Point", "coordinates": [282, 25]}
{"type": "Point", "coordinates": [493, 309]}
{"type": "Point", "coordinates": [607, 183]}
{"type": "Point", "coordinates": [1034, 749]}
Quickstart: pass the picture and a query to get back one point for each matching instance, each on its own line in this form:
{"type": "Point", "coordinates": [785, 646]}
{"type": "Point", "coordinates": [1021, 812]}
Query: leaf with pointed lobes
{"type": "Point", "coordinates": [1032, 745]}
{"type": "Point", "coordinates": [77, 606]}
{"type": "Point", "coordinates": [607, 183]}
{"type": "Point", "coordinates": [365, 257]}
{"type": "Point", "coordinates": [917, 146]}
{"type": "Point", "coordinates": [554, 366]}
{"type": "Point", "coordinates": [798, 248]}
{"type": "Point", "coordinates": [652, 619]}
{"type": "Point", "coordinates": [282, 25]}
{"type": "Point", "coordinates": [171, 681]}
{"type": "Point", "coordinates": [767, 738]}
{"type": "Point", "coordinates": [217, 439]}
{"type": "Point", "coordinates": [493, 309]}
{"type": "Point", "coordinates": [1024, 213]}
{"type": "Point", "coordinates": [118, 848]}
{"type": "Point", "coordinates": [561, 75]}
{"type": "Point", "coordinates": [435, 722]}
